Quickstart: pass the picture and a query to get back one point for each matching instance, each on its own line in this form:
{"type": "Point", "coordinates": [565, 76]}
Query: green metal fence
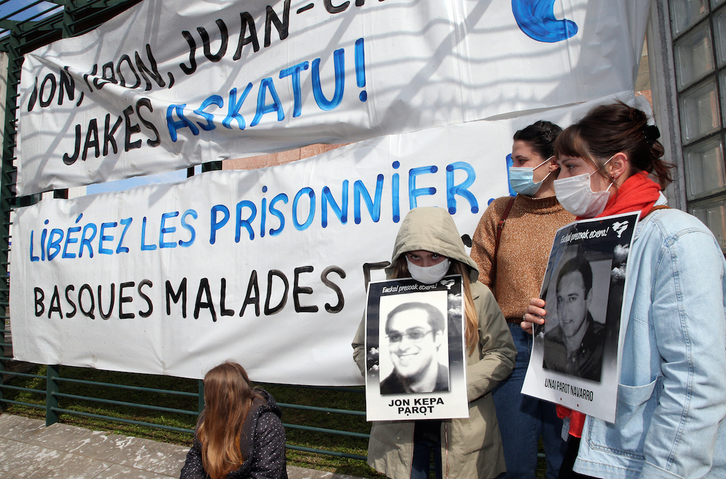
{"type": "Point", "coordinates": [30, 26]}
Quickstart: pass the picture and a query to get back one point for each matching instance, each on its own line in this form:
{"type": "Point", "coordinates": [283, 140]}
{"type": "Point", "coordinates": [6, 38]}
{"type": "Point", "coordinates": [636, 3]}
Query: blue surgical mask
{"type": "Point", "coordinates": [521, 179]}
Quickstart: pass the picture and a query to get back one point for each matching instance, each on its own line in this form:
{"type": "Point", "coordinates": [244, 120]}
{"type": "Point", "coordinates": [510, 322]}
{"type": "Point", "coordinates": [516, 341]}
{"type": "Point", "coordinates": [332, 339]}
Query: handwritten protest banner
{"type": "Point", "coordinates": [173, 83]}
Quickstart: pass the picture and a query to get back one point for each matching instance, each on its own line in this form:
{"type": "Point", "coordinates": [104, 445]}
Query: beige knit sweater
{"type": "Point", "coordinates": [524, 248]}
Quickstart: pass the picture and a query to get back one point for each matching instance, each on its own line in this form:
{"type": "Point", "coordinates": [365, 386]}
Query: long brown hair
{"type": "Point", "coordinates": [471, 319]}
{"type": "Point", "coordinates": [227, 397]}
{"type": "Point", "coordinates": [610, 129]}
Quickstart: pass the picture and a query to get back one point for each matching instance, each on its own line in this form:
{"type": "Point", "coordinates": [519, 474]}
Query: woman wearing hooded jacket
{"type": "Point", "coordinates": [428, 246]}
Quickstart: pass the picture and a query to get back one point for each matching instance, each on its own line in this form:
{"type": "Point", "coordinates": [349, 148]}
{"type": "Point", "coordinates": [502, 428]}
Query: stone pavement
{"type": "Point", "coordinates": [29, 450]}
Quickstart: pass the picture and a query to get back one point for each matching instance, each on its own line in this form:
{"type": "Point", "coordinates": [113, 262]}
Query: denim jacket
{"type": "Point", "coordinates": [671, 399]}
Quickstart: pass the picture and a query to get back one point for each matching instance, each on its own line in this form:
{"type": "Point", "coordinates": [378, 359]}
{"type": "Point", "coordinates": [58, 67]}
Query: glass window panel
{"type": "Point", "coordinates": [705, 166]}
{"type": "Point", "coordinates": [719, 22]}
{"type": "Point", "coordinates": [699, 111]}
{"type": "Point", "coordinates": [685, 13]}
{"type": "Point", "coordinates": [715, 3]}
{"type": "Point", "coordinates": [722, 78]}
{"type": "Point", "coordinates": [694, 57]}
{"type": "Point", "coordinates": [713, 215]}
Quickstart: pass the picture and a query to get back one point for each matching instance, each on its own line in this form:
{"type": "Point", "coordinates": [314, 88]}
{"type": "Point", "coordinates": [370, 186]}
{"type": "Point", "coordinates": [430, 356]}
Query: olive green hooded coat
{"type": "Point", "coordinates": [470, 448]}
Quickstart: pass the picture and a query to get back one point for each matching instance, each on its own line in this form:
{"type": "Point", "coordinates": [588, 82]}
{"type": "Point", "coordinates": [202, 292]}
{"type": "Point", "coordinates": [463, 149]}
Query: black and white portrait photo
{"type": "Point", "coordinates": [415, 362]}
{"type": "Point", "coordinates": [575, 353]}
{"type": "Point", "coordinates": [417, 343]}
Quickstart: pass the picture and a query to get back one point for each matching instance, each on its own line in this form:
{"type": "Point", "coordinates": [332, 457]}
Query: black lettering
{"type": "Point", "coordinates": [324, 278]}
{"type": "Point", "coordinates": [145, 102]}
{"type": "Point", "coordinates": [330, 8]}
{"type": "Point", "coordinates": [69, 160]}
{"type": "Point", "coordinates": [107, 76]}
{"type": "Point", "coordinates": [153, 73]}
{"type": "Point", "coordinates": [70, 288]}
{"type": "Point", "coordinates": [66, 84]}
{"type": "Point", "coordinates": [48, 78]}
{"type": "Point", "coordinates": [208, 304]}
{"type": "Point", "coordinates": [252, 286]}
{"type": "Point", "coordinates": [122, 79]}
{"type": "Point", "coordinates": [283, 300]}
{"type": "Point", "coordinates": [39, 297]}
{"type": "Point", "coordinates": [247, 22]}
{"type": "Point", "coordinates": [91, 140]}
{"type": "Point", "coordinates": [109, 132]}
{"type": "Point", "coordinates": [192, 53]}
{"type": "Point", "coordinates": [110, 306]}
{"type": "Point", "coordinates": [297, 290]}
{"type": "Point", "coordinates": [89, 312]}
{"type": "Point", "coordinates": [124, 299]}
{"type": "Point", "coordinates": [223, 311]}
{"type": "Point", "coordinates": [368, 267]}
{"type": "Point", "coordinates": [180, 293]}
{"type": "Point", "coordinates": [130, 130]}
{"type": "Point", "coordinates": [147, 313]}
{"type": "Point", "coordinates": [205, 41]}
{"type": "Point", "coordinates": [281, 27]}
{"type": "Point", "coordinates": [54, 305]}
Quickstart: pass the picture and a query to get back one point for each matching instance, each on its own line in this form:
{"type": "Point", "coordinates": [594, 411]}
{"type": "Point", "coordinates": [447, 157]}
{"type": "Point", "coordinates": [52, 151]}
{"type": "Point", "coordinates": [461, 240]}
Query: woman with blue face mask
{"type": "Point", "coordinates": [671, 415]}
{"type": "Point", "coordinates": [512, 259]}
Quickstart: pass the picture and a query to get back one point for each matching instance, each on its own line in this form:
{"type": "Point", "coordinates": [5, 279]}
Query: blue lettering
{"type": "Point", "coordinates": [86, 241]}
{"type": "Point", "coordinates": [277, 213]}
{"type": "Point", "coordinates": [339, 64]}
{"type": "Point", "coordinates": [340, 212]}
{"type": "Point", "coordinates": [374, 206]}
{"type": "Point", "coordinates": [103, 237]}
{"type": "Point", "coordinates": [54, 240]}
{"type": "Point", "coordinates": [120, 248]}
{"type": "Point", "coordinates": [163, 230]}
{"type": "Point", "coordinates": [276, 105]}
{"type": "Point", "coordinates": [144, 246]}
{"type": "Point", "coordinates": [462, 188]}
{"type": "Point", "coordinates": [294, 72]}
{"type": "Point", "coordinates": [413, 192]}
{"type": "Point", "coordinates": [233, 107]}
{"type": "Point", "coordinates": [212, 100]}
{"type": "Point", "coordinates": [395, 196]}
{"type": "Point", "coordinates": [183, 122]}
{"type": "Point", "coordinates": [32, 258]}
{"type": "Point", "coordinates": [246, 223]}
{"type": "Point", "coordinates": [217, 224]}
{"type": "Point", "coordinates": [70, 240]}
{"type": "Point", "coordinates": [188, 227]}
{"type": "Point", "coordinates": [311, 212]}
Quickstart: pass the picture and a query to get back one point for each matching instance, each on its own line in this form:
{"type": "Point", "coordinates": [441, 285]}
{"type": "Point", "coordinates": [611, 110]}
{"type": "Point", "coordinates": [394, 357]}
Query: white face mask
{"type": "Point", "coordinates": [521, 179]}
{"type": "Point", "coordinates": [576, 196]}
{"type": "Point", "coordinates": [428, 274]}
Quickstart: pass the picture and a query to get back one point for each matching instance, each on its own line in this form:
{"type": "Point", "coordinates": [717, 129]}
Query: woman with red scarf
{"type": "Point", "coordinates": [670, 419]}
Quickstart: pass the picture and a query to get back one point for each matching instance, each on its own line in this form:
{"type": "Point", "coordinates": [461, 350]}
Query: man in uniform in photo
{"type": "Point", "coordinates": [575, 346]}
{"type": "Point", "coordinates": [415, 333]}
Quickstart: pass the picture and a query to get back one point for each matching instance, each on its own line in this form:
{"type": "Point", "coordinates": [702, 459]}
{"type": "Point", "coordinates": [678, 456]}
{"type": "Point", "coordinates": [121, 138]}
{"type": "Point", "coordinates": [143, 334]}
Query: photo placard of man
{"type": "Point", "coordinates": [575, 346]}
{"type": "Point", "coordinates": [415, 332]}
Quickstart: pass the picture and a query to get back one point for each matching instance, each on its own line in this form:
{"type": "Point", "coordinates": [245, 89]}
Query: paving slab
{"type": "Point", "coordinates": [29, 450]}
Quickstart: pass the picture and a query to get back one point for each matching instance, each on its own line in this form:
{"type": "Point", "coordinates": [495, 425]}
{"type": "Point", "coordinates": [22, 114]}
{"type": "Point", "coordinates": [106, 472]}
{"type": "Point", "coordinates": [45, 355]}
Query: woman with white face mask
{"type": "Point", "coordinates": [670, 419]}
{"type": "Point", "coordinates": [512, 260]}
{"type": "Point", "coordinates": [428, 247]}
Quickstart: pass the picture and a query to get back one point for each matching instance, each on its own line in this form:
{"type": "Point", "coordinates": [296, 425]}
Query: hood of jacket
{"type": "Point", "coordinates": [431, 229]}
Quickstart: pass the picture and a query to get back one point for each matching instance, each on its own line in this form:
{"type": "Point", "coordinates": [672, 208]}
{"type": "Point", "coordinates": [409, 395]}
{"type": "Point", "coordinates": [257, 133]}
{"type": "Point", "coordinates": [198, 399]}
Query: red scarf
{"type": "Point", "coordinates": [636, 193]}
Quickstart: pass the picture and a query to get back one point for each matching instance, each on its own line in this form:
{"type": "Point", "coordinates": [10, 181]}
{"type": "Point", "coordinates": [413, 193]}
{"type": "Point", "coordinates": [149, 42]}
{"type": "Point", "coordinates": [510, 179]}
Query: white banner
{"type": "Point", "coordinates": [174, 83]}
{"type": "Point", "coordinates": [267, 267]}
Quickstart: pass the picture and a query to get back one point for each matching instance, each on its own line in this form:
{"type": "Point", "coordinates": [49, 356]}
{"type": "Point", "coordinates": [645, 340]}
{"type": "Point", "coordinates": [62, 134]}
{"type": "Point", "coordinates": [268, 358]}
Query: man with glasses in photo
{"type": "Point", "coordinates": [415, 333]}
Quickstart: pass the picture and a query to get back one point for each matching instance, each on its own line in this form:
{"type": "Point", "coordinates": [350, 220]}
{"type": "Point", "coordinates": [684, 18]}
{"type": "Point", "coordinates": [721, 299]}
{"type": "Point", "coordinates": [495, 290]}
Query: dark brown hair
{"type": "Point", "coordinates": [540, 136]}
{"type": "Point", "coordinates": [227, 397]}
{"type": "Point", "coordinates": [610, 129]}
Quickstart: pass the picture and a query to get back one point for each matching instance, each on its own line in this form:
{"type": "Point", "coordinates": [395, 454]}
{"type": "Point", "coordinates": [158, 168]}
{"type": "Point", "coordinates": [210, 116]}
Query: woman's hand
{"type": "Point", "coordinates": [535, 313]}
